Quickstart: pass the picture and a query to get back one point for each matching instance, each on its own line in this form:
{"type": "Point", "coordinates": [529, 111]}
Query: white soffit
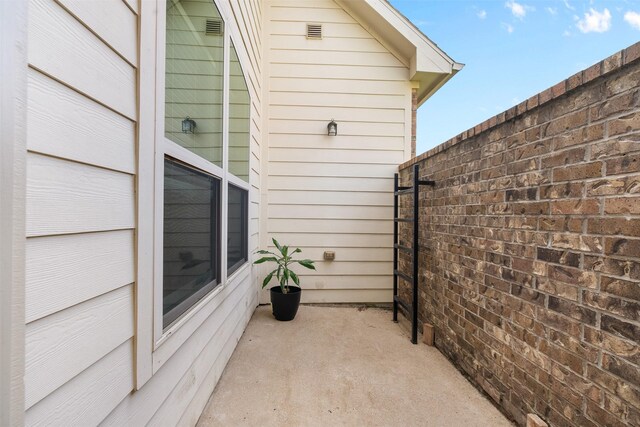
{"type": "Point", "coordinates": [429, 65]}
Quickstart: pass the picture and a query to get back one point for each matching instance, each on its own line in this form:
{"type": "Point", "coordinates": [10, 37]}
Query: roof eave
{"type": "Point", "coordinates": [429, 66]}
{"type": "Point", "coordinates": [430, 82]}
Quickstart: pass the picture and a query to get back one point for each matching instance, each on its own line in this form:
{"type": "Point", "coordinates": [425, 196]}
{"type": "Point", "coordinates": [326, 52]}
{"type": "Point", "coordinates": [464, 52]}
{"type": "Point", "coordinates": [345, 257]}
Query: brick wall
{"type": "Point", "coordinates": [530, 266]}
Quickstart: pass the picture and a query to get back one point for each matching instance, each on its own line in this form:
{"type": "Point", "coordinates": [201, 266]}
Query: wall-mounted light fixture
{"type": "Point", "coordinates": [332, 128]}
{"type": "Point", "coordinates": [188, 125]}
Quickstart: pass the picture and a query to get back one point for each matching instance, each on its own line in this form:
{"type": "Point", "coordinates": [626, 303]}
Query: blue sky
{"type": "Point", "coordinates": [511, 51]}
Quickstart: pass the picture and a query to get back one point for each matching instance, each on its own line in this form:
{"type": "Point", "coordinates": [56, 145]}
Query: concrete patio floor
{"type": "Point", "coordinates": [335, 366]}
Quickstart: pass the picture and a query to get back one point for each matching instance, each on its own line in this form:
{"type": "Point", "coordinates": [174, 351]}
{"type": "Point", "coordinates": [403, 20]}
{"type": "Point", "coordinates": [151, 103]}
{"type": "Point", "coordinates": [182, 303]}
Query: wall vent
{"type": "Point", "coordinates": [314, 31]}
{"type": "Point", "coordinates": [213, 27]}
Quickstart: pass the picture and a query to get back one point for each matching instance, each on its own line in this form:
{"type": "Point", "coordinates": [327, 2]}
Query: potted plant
{"type": "Point", "coordinates": [285, 299]}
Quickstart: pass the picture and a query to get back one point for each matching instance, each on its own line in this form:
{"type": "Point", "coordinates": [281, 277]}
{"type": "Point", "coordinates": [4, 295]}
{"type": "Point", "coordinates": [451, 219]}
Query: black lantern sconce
{"type": "Point", "coordinates": [332, 128]}
{"type": "Point", "coordinates": [188, 125]}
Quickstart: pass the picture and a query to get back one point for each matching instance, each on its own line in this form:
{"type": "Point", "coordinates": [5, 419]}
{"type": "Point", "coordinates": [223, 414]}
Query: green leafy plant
{"type": "Point", "coordinates": [283, 259]}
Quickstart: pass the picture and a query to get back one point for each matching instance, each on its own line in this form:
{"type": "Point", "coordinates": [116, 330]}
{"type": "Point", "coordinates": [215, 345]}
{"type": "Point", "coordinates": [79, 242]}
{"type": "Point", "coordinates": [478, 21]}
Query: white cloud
{"type": "Point", "coordinates": [566, 33]}
{"type": "Point", "coordinates": [568, 6]}
{"type": "Point", "coordinates": [482, 14]}
{"type": "Point", "coordinates": [508, 27]}
{"type": "Point", "coordinates": [552, 10]}
{"type": "Point", "coordinates": [595, 21]}
{"type": "Point", "coordinates": [518, 10]}
{"type": "Point", "coordinates": [633, 19]}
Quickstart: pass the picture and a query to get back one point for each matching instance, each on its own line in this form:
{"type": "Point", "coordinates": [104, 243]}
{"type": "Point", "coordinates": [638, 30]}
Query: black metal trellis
{"type": "Point", "coordinates": [414, 190]}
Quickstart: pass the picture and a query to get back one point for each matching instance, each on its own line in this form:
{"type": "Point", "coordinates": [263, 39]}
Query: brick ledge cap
{"type": "Point", "coordinates": [608, 65]}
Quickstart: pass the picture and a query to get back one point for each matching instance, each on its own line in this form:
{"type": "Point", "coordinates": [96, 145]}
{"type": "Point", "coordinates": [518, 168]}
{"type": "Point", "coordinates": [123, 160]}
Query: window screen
{"type": "Point", "coordinates": [191, 237]}
{"type": "Point", "coordinates": [237, 236]}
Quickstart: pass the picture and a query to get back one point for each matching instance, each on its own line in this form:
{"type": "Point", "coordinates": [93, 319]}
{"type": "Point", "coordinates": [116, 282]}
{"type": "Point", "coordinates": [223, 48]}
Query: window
{"type": "Point", "coordinates": [238, 233]}
{"type": "Point", "coordinates": [191, 238]}
{"type": "Point", "coordinates": [194, 78]}
{"type": "Point", "coordinates": [193, 181]}
{"type": "Point", "coordinates": [202, 161]}
{"type": "Point", "coordinates": [239, 109]}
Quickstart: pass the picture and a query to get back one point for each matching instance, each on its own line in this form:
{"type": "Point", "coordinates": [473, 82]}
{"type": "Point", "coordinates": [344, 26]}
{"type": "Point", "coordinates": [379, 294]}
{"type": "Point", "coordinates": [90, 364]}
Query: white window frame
{"type": "Point", "coordinates": [155, 344]}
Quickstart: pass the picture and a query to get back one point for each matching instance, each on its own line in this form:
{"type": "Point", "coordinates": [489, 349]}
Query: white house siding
{"type": "Point", "coordinates": [81, 222]}
{"type": "Point", "coordinates": [80, 211]}
{"type": "Point", "coordinates": [334, 193]}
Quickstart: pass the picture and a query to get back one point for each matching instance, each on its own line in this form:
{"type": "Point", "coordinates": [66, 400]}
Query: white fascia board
{"type": "Point", "coordinates": [429, 66]}
{"type": "Point", "coordinates": [429, 57]}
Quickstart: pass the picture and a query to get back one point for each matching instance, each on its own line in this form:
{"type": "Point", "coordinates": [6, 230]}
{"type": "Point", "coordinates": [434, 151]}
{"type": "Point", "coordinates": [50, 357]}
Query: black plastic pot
{"type": "Point", "coordinates": [285, 306]}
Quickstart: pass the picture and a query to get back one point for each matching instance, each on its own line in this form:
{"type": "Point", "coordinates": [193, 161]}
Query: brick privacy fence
{"type": "Point", "coordinates": [530, 267]}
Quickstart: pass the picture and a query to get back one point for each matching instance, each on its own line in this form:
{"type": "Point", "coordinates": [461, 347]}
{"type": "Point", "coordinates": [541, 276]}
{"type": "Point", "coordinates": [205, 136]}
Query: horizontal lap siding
{"type": "Point", "coordinates": [62, 345]}
{"type": "Point", "coordinates": [81, 124]}
{"type": "Point", "coordinates": [197, 354]}
{"type": "Point", "coordinates": [62, 47]}
{"type": "Point", "coordinates": [94, 135]}
{"type": "Point", "coordinates": [81, 401]}
{"type": "Point", "coordinates": [334, 193]}
{"type": "Point", "coordinates": [69, 197]}
{"type": "Point", "coordinates": [58, 269]}
{"type": "Point", "coordinates": [101, 23]}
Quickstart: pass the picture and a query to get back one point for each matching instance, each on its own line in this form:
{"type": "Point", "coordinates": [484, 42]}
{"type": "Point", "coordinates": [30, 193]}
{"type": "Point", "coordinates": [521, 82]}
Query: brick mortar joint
{"type": "Point", "coordinates": [621, 59]}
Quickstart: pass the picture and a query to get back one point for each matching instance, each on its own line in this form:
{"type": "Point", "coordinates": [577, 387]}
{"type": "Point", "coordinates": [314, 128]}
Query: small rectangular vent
{"type": "Point", "coordinates": [314, 31]}
{"type": "Point", "coordinates": [213, 27]}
